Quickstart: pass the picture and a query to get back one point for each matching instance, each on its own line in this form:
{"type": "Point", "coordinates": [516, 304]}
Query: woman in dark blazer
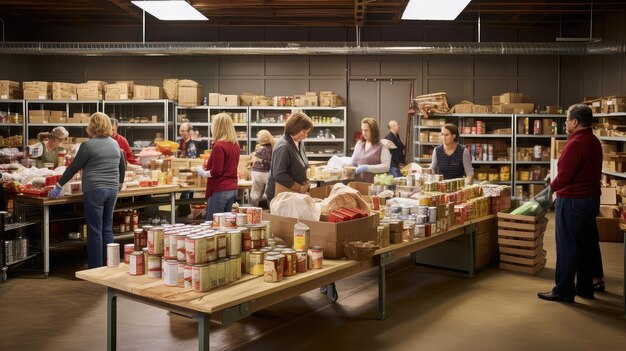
{"type": "Point", "coordinates": [289, 161]}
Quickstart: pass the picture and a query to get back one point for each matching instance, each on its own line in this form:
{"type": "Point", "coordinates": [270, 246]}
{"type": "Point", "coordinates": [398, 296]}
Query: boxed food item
{"type": "Point", "coordinates": [189, 93]}
{"type": "Point", "coordinates": [480, 109]}
{"type": "Point", "coordinates": [118, 91]}
{"type": "Point", "coordinates": [228, 100]}
{"type": "Point", "coordinates": [330, 236]}
{"type": "Point", "coordinates": [92, 90]}
{"type": "Point", "coordinates": [63, 91]}
{"type": "Point", "coordinates": [305, 100]}
{"type": "Point", "coordinates": [156, 93]}
{"type": "Point", "coordinates": [509, 108]}
{"type": "Point", "coordinates": [37, 90]}
{"type": "Point", "coordinates": [329, 99]}
{"type": "Point", "coordinates": [10, 90]}
{"type": "Point", "coordinates": [608, 224]}
{"type": "Point", "coordinates": [38, 116]}
{"type": "Point", "coordinates": [512, 98]}
{"type": "Point", "coordinates": [214, 99]}
{"type": "Point", "coordinates": [552, 110]}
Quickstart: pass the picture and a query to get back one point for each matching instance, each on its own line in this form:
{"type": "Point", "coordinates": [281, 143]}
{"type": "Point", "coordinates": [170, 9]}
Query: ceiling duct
{"type": "Point", "coordinates": [308, 48]}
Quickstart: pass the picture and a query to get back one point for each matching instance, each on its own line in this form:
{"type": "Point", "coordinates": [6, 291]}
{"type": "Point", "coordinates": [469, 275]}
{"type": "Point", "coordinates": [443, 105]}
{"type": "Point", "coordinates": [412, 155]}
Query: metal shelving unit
{"type": "Point", "coordinates": [321, 143]}
{"type": "Point", "coordinates": [4, 256]}
{"type": "Point", "coordinates": [619, 141]}
{"type": "Point", "coordinates": [541, 139]}
{"type": "Point", "coordinates": [125, 110]}
{"type": "Point", "coordinates": [12, 107]}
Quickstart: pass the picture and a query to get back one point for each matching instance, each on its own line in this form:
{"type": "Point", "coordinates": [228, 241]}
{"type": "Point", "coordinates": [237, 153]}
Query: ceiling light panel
{"type": "Point", "coordinates": [171, 10]}
{"type": "Point", "coordinates": [434, 10]}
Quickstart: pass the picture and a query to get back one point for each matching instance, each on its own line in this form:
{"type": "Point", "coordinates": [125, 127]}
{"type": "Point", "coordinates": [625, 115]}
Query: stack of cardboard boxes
{"type": "Point", "coordinates": [121, 90]}
{"type": "Point", "coordinates": [10, 90]}
{"type": "Point", "coordinates": [37, 90]}
{"type": "Point", "coordinates": [91, 90]}
{"type": "Point", "coordinates": [63, 91]}
{"type": "Point", "coordinates": [189, 93]}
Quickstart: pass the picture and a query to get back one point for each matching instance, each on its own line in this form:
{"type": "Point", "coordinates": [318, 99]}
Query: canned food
{"type": "Point", "coordinates": [155, 241]}
{"type": "Point", "coordinates": [213, 274]}
{"type": "Point", "coordinates": [227, 277]}
{"type": "Point", "coordinates": [140, 239]}
{"type": "Point", "coordinates": [217, 219]}
{"type": "Point", "coordinates": [170, 246]}
{"type": "Point", "coordinates": [256, 258]}
{"type": "Point", "coordinates": [301, 236]}
{"type": "Point", "coordinates": [221, 273]}
{"type": "Point", "coordinates": [154, 266]}
{"type": "Point", "coordinates": [291, 262]}
{"type": "Point", "coordinates": [272, 269]}
{"type": "Point", "coordinates": [254, 214]}
{"type": "Point", "coordinates": [221, 245]}
{"type": "Point", "coordinates": [180, 247]}
{"type": "Point", "coordinates": [170, 273]}
{"type": "Point", "coordinates": [316, 257]}
{"type": "Point", "coordinates": [242, 219]}
{"type": "Point", "coordinates": [232, 260]}
{"type": "Point", "coordinates": [113, 255]}
{"type": "Point", "coordinates": [128, 249]}
{"type": "Point", "coordinates": [228, 220]}
{"type": "Point", "coordinates": [180, 276]}
{"type": "Point", "coordinates": [239, 268]}
{"type": "Point", "coordinates": [301, 261]}
{"type": "Point", "coordinates": [200, 278]}
{"type": "Point", "coordinates": [268, 229]}
{"type": "Point", "coordinates": [195, 249]}
{"type": "Point", "coordinates": [255, 232]}
{"type": "Point", "coordinates": [136, 263]}
{"type": "Point", "coordinates": [432, 214]}
{"type": "Point", "coordinates": [234, 243]}
{"type": "Point", "coordinates": [211, 247]}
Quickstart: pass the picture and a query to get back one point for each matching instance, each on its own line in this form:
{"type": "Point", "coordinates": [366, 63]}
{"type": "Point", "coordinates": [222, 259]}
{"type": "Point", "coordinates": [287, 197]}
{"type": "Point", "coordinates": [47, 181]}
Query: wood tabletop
{"type": "Point", "coordinates": [39, 200]}
{"type": "Point", "coordinates": [246, 289]}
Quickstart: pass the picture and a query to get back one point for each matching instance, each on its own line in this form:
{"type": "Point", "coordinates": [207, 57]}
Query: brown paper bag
{"type": "Point", "coordinates": [279, 188]}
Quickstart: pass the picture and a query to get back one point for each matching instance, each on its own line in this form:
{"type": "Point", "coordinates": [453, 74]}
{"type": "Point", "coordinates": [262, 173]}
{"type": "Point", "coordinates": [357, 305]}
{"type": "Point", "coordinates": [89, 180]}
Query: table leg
{"type": "Point", "coordinates": [382, 292]}
{"type": "Point", "coordinates": [470, 254]}
{"type": "Point", "coordinates": [46, 240]}
{"type": "Point", "coordinates": [173, 208]}
{"type": "Point", "coordinates": [111, 320]}
{"type": "Point", "coordinates": [204, 322]}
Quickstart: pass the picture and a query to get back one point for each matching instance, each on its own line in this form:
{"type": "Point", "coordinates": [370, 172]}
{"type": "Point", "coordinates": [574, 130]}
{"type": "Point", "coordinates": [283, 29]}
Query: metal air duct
{"type": "Point", "coordinates": [307, 48]}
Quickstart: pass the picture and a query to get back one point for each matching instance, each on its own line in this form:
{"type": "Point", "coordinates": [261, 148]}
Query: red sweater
{"type": "Point", "coordinates": [223, 164]}
{"type": "Point", "coordinates": [579, 167]}
{"type": "Point", "coordinates": [123, 143]}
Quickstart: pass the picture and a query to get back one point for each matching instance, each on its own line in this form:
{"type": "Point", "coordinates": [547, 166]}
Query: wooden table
{"type": "Point", "coordinates": [238, 300]}
{"type": "Point", "coordinates": [45, 204]}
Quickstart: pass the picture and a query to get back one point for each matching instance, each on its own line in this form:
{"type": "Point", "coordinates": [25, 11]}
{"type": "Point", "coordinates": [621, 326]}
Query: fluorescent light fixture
{"type": "Point", "coordinates": [433, 10]}
{"type": "Point", "coordinates": [171, 10]}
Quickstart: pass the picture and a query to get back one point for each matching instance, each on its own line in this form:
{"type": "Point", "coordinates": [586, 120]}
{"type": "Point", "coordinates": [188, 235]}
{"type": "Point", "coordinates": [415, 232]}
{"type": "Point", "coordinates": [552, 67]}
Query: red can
{"type": "Point", "coordinates": [137, 265]}
{"type": "Point", "coordinates": [128, 249]}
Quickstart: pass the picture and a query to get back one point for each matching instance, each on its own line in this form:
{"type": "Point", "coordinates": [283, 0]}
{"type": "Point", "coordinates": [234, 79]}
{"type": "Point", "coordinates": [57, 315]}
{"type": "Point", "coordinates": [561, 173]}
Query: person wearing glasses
{"type": "Point", "coordinates": [451, 159]}
{"type": "Point", "coordinates": [577, 188]}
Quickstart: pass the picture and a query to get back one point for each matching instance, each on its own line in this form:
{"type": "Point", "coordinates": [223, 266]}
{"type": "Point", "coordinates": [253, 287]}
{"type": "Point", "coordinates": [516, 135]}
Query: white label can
{"type": "Point", "coordinates": [113, 255]}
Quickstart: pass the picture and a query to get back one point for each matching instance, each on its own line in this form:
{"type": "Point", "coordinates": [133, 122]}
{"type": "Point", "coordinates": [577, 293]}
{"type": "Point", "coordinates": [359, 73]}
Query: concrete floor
{"type": "Point", "coordinates": [428, 309]}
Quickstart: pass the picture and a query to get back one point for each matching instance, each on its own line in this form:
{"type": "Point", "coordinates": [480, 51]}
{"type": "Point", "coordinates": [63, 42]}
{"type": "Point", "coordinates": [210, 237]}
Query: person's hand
{"type": "Point", "coordinates": [56, 192]}
{"type": "Point", "coordinates": [304, 188]}
{"type": "Point", "coordinates": [122, 186]}
{"type": "Point", "coordinates": [360, 169]}
{"type": "Point", "coordinates": [203, 173]}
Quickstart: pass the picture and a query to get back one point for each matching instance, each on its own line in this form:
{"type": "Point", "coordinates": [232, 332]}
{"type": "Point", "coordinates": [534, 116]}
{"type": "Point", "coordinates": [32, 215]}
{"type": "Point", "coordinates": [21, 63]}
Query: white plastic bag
{"type": "Point", "coordinates": [342, 196]}
{"type": "Point", "coordinates": [295, 205]}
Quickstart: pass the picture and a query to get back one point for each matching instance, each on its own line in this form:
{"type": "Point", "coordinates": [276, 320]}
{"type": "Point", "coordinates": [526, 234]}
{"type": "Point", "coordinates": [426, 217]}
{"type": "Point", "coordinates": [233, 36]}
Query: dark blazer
{"type": "Point", "coordinates": [288, 165]}
{"type": "Point", "coordinates": [397, 157]}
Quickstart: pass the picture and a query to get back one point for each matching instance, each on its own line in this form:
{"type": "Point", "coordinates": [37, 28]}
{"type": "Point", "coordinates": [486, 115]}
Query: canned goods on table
{"type": "Point", "coordinates": [154, 266]}
{"type": "Point", "coordinates": [272, 267]}
{"type": "Point", "coordinates": [195, 249]}
{"type": "Point", "coordinates": [221, 244]}
{"type": "Point", "coordinates": [254, 214]}
{"type": "Point", "coordinates": [136, 263]}
{"type": "Point", "coordinates": [316, 257]}
{"type": "Point", "coordinates": [128, 249]}
{"type": "Point", "coordinates": [170, 273]}
{"type": "Point", "coordinates": [234, 242]}
{"type": "Point", "coordinates": [113, 255]}
{"type": "Point", "coordinates": [155, 241]}
{"type": "Point", "coordinates": [200, 278]}
{"type": "Point", "coordinates": [242, 219]}
{"type": "Point", "coordinates": [291, 262]}
{"type": "Point", "coordinates": [140, 239]}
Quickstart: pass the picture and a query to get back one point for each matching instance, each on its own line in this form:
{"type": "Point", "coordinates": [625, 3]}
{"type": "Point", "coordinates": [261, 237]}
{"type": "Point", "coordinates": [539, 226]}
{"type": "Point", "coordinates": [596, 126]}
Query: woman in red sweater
{"type": "Point", "coordinates": [221, 167]}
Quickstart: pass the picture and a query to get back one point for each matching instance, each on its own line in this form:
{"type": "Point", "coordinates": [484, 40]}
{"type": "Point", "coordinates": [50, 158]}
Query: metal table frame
{"type": "Point", "coordinates": [232, 314]}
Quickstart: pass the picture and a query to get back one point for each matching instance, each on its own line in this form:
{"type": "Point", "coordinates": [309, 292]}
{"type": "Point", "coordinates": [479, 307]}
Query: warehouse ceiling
{"type": "Point", "coordinates": [314, 13]}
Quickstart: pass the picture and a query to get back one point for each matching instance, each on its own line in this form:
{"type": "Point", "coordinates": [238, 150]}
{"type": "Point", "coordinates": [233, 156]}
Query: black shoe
{"type": "Point", "coordinates": [599, 286]}
{"type": "Point", "coordinates": [586, 295]}
{"type": "Point", "coordinates": [550, 296]}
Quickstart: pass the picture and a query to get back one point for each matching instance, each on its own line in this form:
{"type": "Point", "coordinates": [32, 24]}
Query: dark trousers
{"type": "Point", "coordinates": [577, 245]}
{"type": "Point", "coordinates": [99, 205]}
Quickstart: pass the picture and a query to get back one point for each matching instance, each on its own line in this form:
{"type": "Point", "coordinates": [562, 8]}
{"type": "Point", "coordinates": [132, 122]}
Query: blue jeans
{"type": "Point", "coordinates": [221, 201]}
{"type": "Point", "coordinates": [99, 205]}
{"type": "Point", "coordinates": [577, 245]}
{"type": "Point", "coordinates": [395, 171]}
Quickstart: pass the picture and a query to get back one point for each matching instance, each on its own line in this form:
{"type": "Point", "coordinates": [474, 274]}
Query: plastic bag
{"type": "Point", "coordinates": [544, 198]}
{"type": "Point", "coordinates": [295, 205]}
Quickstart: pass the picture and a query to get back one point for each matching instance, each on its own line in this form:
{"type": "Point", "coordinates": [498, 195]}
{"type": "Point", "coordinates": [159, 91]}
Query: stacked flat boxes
{"type": "Point", "coordinates": [520, 240]}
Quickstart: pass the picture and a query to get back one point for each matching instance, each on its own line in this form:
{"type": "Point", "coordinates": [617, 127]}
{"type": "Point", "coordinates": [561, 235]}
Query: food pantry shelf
{"type": "Point", "coordinates": [615, 174]}
{"type": "Point", "coordinates": [507, 136]}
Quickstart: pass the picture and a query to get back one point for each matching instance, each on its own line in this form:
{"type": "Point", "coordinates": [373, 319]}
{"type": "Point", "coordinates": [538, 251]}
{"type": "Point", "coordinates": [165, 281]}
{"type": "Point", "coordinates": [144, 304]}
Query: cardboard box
{"type": "Point", "coordinates": [228, 100]}
{"type": "Point", "coordinates": [511, 98]}
{"type": "Point", "coordinates": [462, 108]}
{"type": "Point", "coordinates": [260, 101]}
{"type": "Point", "coordinates": [58, 113]}
{"type": "Point", "coordinates": [480, 109]}
{"type": "Point", "coordinates": [510, 108]}
{"type": "Point", "coordinates": [214, 99]}
{"type": "Point", "coordinates": [92, 90]}
{"type": "Point", "coordinates": [156, 93]}
{"type": "Point", "coordinates": [552, 110]}
{"type": "Point", "coordinates": [37, 90]}
{"type": "Point", "coordinates": [329, 99]}
{"type": "Point", "coordinates": [608, 196]}
{"type": "Point", "coordinates": [189, 93]}
{"type": "Point", "coordinates": [141, 92]}
{"type": "Point", "coordinates": [38, 116]}
{"type": "Point", "coordinates": [609, 230]}
{"type": "Point", "coordinates": [305, 100]}
{"type": "Point", "coordinates": [10, 90]}
{"type": "Point", "coordinates": [495, 100]}
{"type": "Point", "coordinates": [63, 91]}
{"type": "Point", "coordinates": [246, 98]}
{"type": "Point", "coordinates": [330, 236]}
{"type": "Point", "coordinates": [118, 91]}
{"type": "Point", "coordinates": [57, 119]}
{"type": "Point", "coordinates": [534, 189]}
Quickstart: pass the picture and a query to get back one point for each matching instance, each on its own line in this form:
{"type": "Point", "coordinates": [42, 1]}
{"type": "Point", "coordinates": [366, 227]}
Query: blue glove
{"type": "Point", "coordinates": [55, 193]}
{"type": "Point", "coordinates": [360, 169]}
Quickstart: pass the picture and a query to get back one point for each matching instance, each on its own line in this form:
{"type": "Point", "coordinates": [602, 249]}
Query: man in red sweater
{"type": "Point", "coordinates": [130, 158]}
{"type": "Point", "coordinates": [577, 186]}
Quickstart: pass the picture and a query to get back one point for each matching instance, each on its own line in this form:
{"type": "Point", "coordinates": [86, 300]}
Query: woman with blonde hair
{"type": "Point", "coordinates": [104, 167]}
{"type": "Point", "coordinates": [221, 167]}
{"type": "Point", "coordinates": [261, 161]}
{"type": "Point", "coordinates": [289, 161]}
{"type": "Point", "coordinates": [51, 146]}
{"type": "Point", "coordinates": [370, 155]}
